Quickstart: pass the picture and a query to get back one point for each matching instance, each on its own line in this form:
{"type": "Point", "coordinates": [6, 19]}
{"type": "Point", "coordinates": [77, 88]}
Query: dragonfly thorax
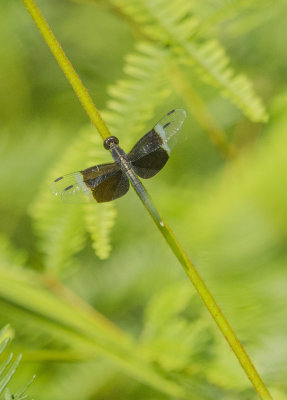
{"type": "Point", "coordinates": [111, 140]}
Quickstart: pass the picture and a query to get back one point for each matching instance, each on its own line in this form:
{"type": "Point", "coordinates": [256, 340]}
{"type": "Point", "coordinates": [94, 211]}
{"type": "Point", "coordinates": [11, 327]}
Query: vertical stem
{"type": "Point", "coordinates": [169, 236]}
{"type": "Point", "coordinates": [67, 68]}
{"type": "Point", "coordinates": [202, 290]}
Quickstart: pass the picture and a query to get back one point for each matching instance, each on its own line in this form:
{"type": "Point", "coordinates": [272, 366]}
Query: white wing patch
{"type": "Point", "coordinates": [168, 127]}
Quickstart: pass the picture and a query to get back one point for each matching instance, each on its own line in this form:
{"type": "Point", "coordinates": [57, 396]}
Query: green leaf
{"type": "Point", "coordinates": [61, 226]}
{"type": "Point", "coordinates": [79, 328]}
{"type": "Point", "coordinates": [7, 373]}
{"type": "Point", "coordinates": [212, 64]}
{"type": "Point", "coordinates": [10, 365]}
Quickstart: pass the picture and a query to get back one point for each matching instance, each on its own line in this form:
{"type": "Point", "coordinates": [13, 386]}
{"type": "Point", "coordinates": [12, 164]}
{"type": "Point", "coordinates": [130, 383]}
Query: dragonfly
{"type": "Point", "coordinates": [107, 182]}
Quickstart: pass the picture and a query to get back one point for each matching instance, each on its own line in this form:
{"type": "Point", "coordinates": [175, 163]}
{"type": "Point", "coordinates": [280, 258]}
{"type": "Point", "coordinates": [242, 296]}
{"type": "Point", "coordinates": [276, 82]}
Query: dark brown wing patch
{"type": "Point", "coordinates": [109, 186]}
{"type": "Point", "coordinates": [150, 164]}
{"type": "Point", "coordinates": [147, 156]}
{"type": "Point", "coordinates": [99, 171]}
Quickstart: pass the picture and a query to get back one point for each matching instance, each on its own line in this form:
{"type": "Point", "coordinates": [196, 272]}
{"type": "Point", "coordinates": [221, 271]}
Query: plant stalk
{"type": "Point", "coordinates": [203, 292]}
{"type": "Point", "coordinates": [67, 68]}
{"type": "Point", "coordinates": [165, 230]}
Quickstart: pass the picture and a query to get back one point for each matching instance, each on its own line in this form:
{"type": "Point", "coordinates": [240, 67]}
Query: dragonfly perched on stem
{"type": "Point", "coordinates": [106, 182]}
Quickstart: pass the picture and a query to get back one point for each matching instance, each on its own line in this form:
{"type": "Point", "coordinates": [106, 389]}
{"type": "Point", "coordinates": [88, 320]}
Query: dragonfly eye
{"type": "Point", "coordinates": [109, 141]}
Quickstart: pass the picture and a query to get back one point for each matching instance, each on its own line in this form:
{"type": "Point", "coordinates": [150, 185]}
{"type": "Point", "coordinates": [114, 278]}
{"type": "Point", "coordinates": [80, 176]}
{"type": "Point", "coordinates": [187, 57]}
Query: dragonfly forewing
{"type": "Point", "coordinates": [104, 182]}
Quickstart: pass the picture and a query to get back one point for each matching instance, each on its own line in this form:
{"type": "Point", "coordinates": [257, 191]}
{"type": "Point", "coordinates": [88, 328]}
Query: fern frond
{"type": "Point", "coordinates": [61, 227]}
{"type": "Point", "coordinates": [133, 100]}
{"type": "Point", "coordinates": [161, 20]}
{"type": "Point", "coordinates": [8, 370]}
{"type": "Point", "coordinates": [21, 395]}
{"type": "Point", "coordinates": [212, 65]}
{"type": "Point", "coordinates": [6, 334]}
{"type": "Point", "coordinates": [9, 366]}
{"type": "Point", "coordinates": [239, 12]}
{"type": "Point", "coordinates": [171, 23]}
{"type": "Point", "coordinates": [99, 226]}
{"type": "Point", "coordinates": [76, 327]}
{"type": "Point", "coordinates": [166, 320]}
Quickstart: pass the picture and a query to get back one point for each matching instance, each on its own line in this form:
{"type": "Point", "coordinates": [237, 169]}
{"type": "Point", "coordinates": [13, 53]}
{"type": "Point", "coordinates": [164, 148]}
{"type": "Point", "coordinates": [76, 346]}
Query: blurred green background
{"type": "Point", "coordinates": [99, 306]}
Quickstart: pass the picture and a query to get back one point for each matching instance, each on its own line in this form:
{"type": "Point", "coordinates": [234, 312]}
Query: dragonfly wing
{"type": "Point", "coordinates": [151, 152]}
{"type": "Point", "coordinates": [71, 188]}
{"type": "Point", "coordinates": [113, 187]}
{"type": "Point", "coordinates": [102, 183]}
{"type": "Point", "coordinates": [169, 126]}
{"type": "Point", "coordinates": [147, 156]}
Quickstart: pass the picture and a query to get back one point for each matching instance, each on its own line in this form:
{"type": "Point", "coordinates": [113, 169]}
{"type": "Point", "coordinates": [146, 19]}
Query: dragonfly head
{"type": "Point", "coordinates": [111, 140]}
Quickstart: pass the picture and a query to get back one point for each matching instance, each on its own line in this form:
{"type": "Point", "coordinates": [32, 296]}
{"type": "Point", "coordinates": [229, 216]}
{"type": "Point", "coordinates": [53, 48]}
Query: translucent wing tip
{"type": "Point", "coordinates": [55, 188]}
{"type": "Point", "coordinates": [174, 117]}
{"type": "Point", "coordinates": [71, 188]}
{"type": "Point", "coordinates": [178, 114]}
{"type": "Point", "coordinates": [181, 111]}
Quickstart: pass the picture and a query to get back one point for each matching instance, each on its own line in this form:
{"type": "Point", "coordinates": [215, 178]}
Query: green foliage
{"type": "Point", "coordinates": [176, 338]}
{"type": "Point", "coordinates": [62, 228]}
{"type": "Point", "coordinates": [9, 366]}
{"type": "Point", "coordinates": [172, 24]}
{"type": "Point", "coordinates": [126, 324]}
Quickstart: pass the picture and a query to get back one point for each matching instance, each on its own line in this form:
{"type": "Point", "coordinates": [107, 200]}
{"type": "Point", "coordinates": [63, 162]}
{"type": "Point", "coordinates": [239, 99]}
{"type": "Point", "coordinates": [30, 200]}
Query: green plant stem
{"type": "Point", "coordinates": [62, 291]}
{"type": "Point", "coordinates": [67, 68]}
{"type": "Point", "coordinates": [203, 291]}
{"type": "Point", "coordinates": [169, 236]}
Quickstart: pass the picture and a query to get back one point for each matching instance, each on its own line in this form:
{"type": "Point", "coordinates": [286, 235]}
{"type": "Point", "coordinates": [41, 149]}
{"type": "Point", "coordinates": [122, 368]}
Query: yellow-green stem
{"type": "Point", "coordinates": [203, 292]}
{"type": "Point", "coordinates": [68, 69]}
{"type": "Point", "coordinates": [169, 236]}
